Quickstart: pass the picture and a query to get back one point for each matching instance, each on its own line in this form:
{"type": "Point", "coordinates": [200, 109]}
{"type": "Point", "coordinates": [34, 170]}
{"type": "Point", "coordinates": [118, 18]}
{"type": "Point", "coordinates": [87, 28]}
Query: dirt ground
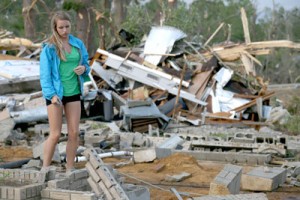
{"type": "Point", "coordinates": [202, 173]}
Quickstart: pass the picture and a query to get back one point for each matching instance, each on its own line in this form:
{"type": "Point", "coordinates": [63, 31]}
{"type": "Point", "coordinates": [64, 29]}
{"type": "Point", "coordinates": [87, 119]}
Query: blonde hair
{"type": "Point", "coordinates": [55, 38]}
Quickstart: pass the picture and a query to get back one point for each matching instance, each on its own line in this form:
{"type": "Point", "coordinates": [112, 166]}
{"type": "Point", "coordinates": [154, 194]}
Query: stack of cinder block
{"type": "Point", "coordinates": [101, 180]}
{"type": "Point", "coordinates": [71, 187]}
{"type": "Point", "coordinates": [20, 184]}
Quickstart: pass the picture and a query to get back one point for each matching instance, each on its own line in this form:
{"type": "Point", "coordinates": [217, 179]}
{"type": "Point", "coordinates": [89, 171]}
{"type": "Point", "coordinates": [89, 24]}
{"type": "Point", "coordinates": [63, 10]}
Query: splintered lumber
{"type": "Point", "coordinates": [153, 78]}
{"type": "Point", "coordinates": [245, 26]}
{"type": "Point", "coordinates": [253, 102]}
{"type": "Point", "coordinates": [16, 43]}
{"type": "Point", "coordinates": [142, 125]}
{"type": "Point", "coordinates": [232, 53]}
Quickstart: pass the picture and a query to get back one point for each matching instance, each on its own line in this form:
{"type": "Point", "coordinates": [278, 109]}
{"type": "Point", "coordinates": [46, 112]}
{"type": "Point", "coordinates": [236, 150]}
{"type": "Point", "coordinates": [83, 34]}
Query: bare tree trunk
{"type": "Point", "coordinates": [91, 41]}
{"type": "Point", "coordinates": [172, 4]}
{"type": "Point", "coordinates": [29, 16]}
{"type": "Point", "coordinates": [103, 23]}
{"type": "Point", "coordinates": [117, 12]}
{"type": "Point", "coordinates": [159, 17]}
{"type": "Point", "coordinates": [83, 22]}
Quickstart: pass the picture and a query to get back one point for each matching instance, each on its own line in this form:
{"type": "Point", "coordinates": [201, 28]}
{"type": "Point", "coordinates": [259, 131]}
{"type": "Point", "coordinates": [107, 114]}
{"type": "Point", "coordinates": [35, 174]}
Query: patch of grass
{"type": "Point", "coordinates": [98, 126]}
{"type": "Point", "coordinates": [293, 125]}
{"type": "Point", "coordinates": [219, 135]}
{"type": "Point", "coordinates": [294, 106]}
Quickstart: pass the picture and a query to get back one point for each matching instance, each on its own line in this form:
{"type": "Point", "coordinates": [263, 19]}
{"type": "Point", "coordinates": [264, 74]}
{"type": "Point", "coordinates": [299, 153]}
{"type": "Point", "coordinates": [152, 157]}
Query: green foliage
{"type": "Point", "coordinates": [71, 5]}
{"type": "Point", "coordinates": [198, 21]}
{"type": "Point", "coordinates": [292, 126]}
{"type": "Point", "coordinates": [294, 106]}
{"type": "Point", "coordinates": [11, 18]}
{"type": "Point", "coordinates": [138, 21]}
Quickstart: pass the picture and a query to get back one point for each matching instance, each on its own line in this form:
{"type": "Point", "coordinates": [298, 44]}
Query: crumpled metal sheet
{"type": "Point", "coordinates": [160, 41]}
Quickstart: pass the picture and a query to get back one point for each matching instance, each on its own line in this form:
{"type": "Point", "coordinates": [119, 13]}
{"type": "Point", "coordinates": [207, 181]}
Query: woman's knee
{"type": "Point", "coordinates": [54, 137]}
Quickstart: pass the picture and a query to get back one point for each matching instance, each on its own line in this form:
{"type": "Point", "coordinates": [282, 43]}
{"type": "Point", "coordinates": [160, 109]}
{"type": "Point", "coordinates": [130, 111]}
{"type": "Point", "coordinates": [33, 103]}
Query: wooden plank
{"type": "Point", "coordinates": [245, 26]}
{"type": "Point", "coordinates": [252, 103]}
{"type": "Point", "coordinates": [249, 67]}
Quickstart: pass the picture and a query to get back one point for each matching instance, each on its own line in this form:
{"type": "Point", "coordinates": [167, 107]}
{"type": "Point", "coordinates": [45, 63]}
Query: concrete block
{"type": "Point", "coordinates": [95, 161]}
{"type": "Point", "coordinates": [177, 177]}
{"type": "Point", "coordinates": [162, 152]}
{"type": "Point", "coordinates": [106, 177]}
{"type": "Point", "coordinates": [45, 193]}
{"type": "Point", "coordinates": [20, 193]}
{"type": "Point", "coordinates": [256, 196]}
{"type": "Point", "coordinates": [60, 194]}
{"type": "Point", "coordinates": [38, 150]}
{"type": "Point", "coordinates": [83, 196]}
{"type": "Point", "coordinates": [118, 193]}
{"type": "Point", "coordinates": [105, 191]}
{"type": "Point", "coordinates": [92, 172]}
{"type": "Point", "coordinates": [28, 192]}
{"type": "Point", "coordinates": [147, 155]}
{"type": "Point", "coordinates": [136, 192]}
{"type": "Point", "coordinates": [80, 174]}
{"type": "Point", "coordinates": [32, 164]}
{"type": "Point", "coordinates": [94, 186]}
{"type": "Point", "coordinates": [227, 181]}
{"type": "Point", "coordinates": [138, 140]}
{"type": "Point", "coordinates": [59, 184]}
{"type": "Point", "coordinates": [10, 193]}
{"type": "Point", "coordinates": [263, 179]}
{"type": "Point", "coordinates": [4, 192]}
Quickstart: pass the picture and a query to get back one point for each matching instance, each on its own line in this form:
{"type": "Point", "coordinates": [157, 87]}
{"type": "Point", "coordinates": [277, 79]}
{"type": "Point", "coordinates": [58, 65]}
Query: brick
{"type": "Point", "coordinates": [4, 192]}
{"type": "Point", "coordinates": [106, 177]}
{"type": "Point", "coordinates": [94, 186]}
{"type": "Point", "coordinates": [28, 192]}
{"type": "Point", "coordinates": [27, 175]}
{"type": "Point", "coordinates": [45, 193]}
{"type": "Point", "coordinates": [59, 184]}
{"type": "Point", "coordinates": [10, 193]}
{"type": "Point", "coordinates": [95, 161]}
{"type": "Point", "coordinates": [79, 174]}
{"type": "Point", "coordinates": [92, 172]}
{"type": "Point", "coordinates": [60, 194]}
{"type": "Point", "coordinates": [118, 193]}
{"type": "Point", "coordinates": [105, 191]}
{"type": "Point", "coordinates": [34, 191]}
{"type": "Point", "coordinates": [75, 185]}
{"type": "Point", "coordinates": [20, 193]}
{"type": "Point", "coordinates": [83, 196]}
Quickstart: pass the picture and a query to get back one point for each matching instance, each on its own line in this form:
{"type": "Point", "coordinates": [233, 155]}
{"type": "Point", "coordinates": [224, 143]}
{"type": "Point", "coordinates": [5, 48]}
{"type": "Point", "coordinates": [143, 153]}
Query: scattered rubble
{"type": "Point", "coordinates": [174, 115]}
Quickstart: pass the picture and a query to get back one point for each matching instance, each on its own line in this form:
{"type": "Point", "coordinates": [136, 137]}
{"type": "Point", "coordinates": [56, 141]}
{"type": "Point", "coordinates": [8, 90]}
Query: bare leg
{"type": "Point", "coordinates": [55, 122]}
{"type": "Point", "coordinates": [72, 113]}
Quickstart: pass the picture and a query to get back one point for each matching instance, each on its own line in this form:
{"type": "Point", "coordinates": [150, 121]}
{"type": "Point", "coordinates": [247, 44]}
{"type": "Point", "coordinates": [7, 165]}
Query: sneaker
{"type": "Point", "coordinates": [41, 178]}
{"type": "Point", "coordinates": [70, 171]}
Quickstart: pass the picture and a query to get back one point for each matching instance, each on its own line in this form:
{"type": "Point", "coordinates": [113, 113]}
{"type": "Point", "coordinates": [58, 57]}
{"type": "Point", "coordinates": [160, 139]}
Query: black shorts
{"type": "Point", "coordinates": [66, 100]}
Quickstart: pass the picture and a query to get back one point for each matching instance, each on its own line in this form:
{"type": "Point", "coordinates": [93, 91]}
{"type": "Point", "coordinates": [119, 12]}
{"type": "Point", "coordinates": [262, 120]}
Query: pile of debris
{"type": "Point", "coordinates": [150, 89]}
{"type": "Point", "coordinates": [186, 82]}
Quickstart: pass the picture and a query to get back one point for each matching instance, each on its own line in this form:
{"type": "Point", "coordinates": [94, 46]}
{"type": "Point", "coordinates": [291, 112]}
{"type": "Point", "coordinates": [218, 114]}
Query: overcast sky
{"type": "Point", "coordinates": [287, 4]}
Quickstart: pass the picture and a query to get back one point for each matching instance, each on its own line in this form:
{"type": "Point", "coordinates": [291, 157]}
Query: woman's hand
{"type": "Point", "coordinates": [56, 100]}
{"type": "Point", "coordinates": [79, 69]}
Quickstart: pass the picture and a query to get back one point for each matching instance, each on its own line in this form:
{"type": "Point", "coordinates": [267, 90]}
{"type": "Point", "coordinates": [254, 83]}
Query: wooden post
{"type": "Point", "coordinates": [180, 85]}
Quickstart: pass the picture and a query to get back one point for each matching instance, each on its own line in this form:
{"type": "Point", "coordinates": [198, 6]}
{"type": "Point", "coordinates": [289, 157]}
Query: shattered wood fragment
{"type": "Point", "coordinates": [253, 102]}
{"type": "Point", "coordinates": [245, 26]}
{"type": "Point", "coordinates": [232, 53]}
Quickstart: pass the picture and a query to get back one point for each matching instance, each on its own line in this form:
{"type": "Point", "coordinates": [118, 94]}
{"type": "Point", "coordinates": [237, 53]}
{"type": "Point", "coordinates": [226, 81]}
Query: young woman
{"type": "Point", "coordinates": [63, 65]}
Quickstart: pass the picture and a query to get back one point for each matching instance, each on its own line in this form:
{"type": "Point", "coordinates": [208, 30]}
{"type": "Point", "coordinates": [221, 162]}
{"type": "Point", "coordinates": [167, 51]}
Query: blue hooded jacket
{"type": "Point", "coordinates": [49, 68]}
